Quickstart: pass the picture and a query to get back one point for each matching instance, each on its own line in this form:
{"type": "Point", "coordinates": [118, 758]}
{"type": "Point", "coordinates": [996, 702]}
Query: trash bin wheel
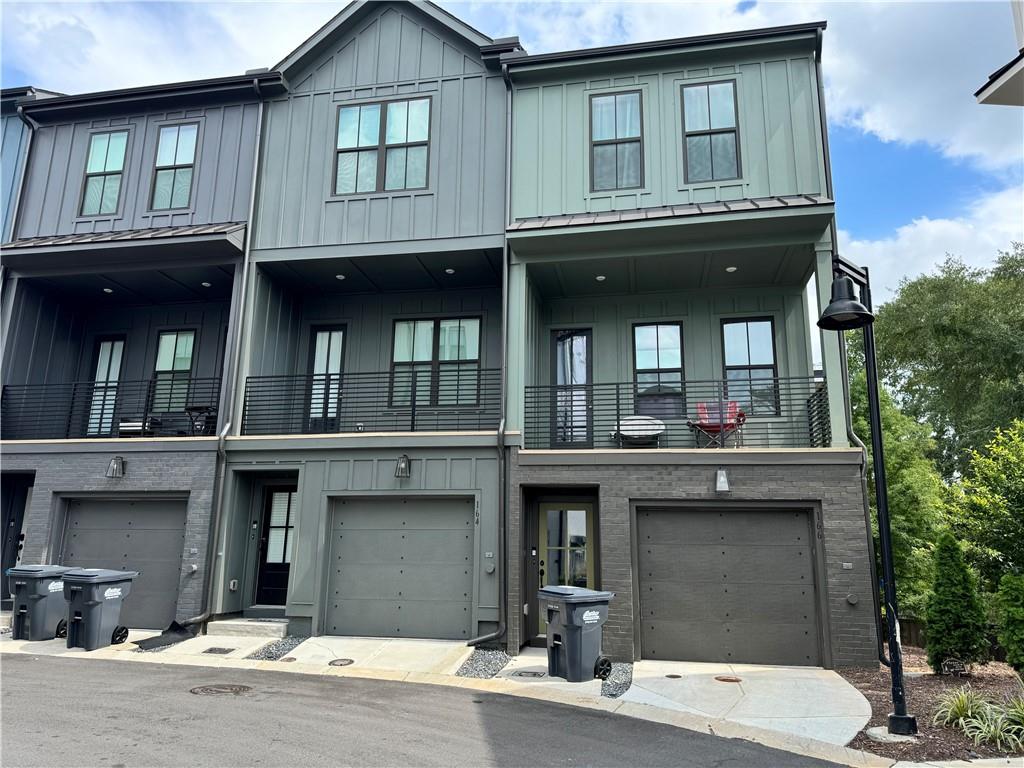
{"type": "Point", "coordinates": [62, 628]}
{"type": "Point", "coordinates": [603, 668]}
{"type": "Point", "coordinates": [119, 636]}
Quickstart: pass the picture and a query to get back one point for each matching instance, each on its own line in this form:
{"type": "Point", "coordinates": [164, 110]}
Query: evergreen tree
{"type": "Point", "coordinates": [956, 619]}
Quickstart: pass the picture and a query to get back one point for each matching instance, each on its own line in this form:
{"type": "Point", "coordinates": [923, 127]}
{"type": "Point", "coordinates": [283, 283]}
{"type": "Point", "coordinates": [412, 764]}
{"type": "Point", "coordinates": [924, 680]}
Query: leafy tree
{"type": "Point", "coordinates": [956, 619]}
{"type": "Point", "coordinates": [916, 493]}
{"type": "Point", "coordinates": [951, 344]}
{"type": "Point", "coordinates": [987, 510]}
{"type": "Point", "coordinates": [1010, 610]}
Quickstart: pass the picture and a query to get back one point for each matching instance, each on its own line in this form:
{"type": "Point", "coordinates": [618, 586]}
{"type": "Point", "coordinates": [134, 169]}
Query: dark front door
{"type": "Point", "coordinates": [572, 370]}
{"type": "Point", "coordinates": [14, 492]}
{"type": "Point", "coordinates": [275, 552]}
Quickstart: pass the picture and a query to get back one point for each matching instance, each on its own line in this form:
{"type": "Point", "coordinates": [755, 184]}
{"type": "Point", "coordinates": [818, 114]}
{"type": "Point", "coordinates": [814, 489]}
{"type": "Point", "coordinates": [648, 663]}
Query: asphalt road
{"type": "Point", "coordinates": [74, 712]}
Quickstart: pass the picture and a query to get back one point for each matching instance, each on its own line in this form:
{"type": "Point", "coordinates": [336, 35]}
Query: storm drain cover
{"type": "Point", "coordinates": [674, 677]}
{"type": "Point", "coordinates": [340, 662]}
{"type": "Point", "coordinates": [728, 679]}
{"type": "Point", "coordinates": [529, 673]}
{"type": "Point", "coordinates": [218, 650]}
{"type": "Point", "coordinates": [223, 688]}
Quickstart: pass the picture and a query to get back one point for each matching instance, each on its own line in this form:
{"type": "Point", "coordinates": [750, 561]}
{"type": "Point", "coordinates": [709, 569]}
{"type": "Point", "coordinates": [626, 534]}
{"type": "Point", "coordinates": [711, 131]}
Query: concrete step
{"type": "Point", "coordinates": [5, 619]}
{"type": "Point", "coordinates": [241, 627]}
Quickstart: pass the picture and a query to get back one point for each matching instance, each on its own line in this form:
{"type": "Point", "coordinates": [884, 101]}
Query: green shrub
{"type": "Point", "coordinates": [1015, 710]}
{"type": "Point", "coordinates": [956, 619]}
{"type": "Point", "coordinates": [1010, 614]}
{"type": "Point", "coordinates": [957, 705]}
{"type": "Point", "coordinates": [991, 725]}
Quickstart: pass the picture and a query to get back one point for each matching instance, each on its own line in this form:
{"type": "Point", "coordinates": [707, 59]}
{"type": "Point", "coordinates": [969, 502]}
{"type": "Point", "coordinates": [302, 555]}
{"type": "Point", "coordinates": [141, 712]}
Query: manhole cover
{"type": "Point", "coordinates": [217, 650]}
{"type": "Point", "coordinates": [528, 673]}
{"type": "Point", "coordinates": [728, 679]}
{"type": "Point", "coordinates": [213, 690]}
{"type": "Point", "coordinates": [674, 677]}
{"type": "Point", "coordinates": [340, 662]}
{"type": "Point", "coordinates": [288, 658]}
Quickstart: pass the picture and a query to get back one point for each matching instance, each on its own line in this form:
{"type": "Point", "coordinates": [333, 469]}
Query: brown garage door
{"type": "Point", "coordinates": [727, 585]}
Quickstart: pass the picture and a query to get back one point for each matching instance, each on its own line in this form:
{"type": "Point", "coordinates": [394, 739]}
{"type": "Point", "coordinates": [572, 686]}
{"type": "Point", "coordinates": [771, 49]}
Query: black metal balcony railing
{"type": "Point", "coordinates": [459, 398]}
{"type": "Point", "coordinates": [166, 406]}
{"type": "Point", "coordinates": [758, 413]}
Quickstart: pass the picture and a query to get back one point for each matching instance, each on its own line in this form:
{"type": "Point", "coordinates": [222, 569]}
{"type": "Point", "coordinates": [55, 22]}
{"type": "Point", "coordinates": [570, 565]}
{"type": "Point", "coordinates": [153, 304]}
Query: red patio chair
{"type": "Point", "coordinates": [716, 422]}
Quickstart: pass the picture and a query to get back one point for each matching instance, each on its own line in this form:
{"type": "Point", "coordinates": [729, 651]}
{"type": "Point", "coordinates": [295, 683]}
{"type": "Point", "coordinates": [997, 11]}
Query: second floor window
{"type": "Point", "coordinates": [658, 358]}
{"type": "Point", "coordinates": [103, 170]}
{"type": "Point", "coordinates": [439, 359]}
{"type": "Point", "coordinates": [175, 161]}
{"type": "Point", "coordinates": [172, 371]}
{"type": "Point", "coordinates": [616, 145]}
{"type": "Point", "coordinates": [382, 147]}
{"type": "Point", "coordinates": [750, 367]}
{"type": "Point", "coordinates": [710, 140]}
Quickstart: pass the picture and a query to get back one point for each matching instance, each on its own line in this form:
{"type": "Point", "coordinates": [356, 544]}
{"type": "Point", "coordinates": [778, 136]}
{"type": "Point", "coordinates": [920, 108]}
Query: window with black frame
{"type": "Point", "coordinates": [382, 147]}
{"type": "Point", "coordinates": [104, 168]}
{"type": "Point", "coordinates": [710, 132]}
{"type": "Point", "coordinates": [658, 365]}
{"type": "Point", "coordinates": [439, 359]}
{"type": "Point", "coordinates": [751, 370]}
{"type": "Point", "coordinates": [616, 142]}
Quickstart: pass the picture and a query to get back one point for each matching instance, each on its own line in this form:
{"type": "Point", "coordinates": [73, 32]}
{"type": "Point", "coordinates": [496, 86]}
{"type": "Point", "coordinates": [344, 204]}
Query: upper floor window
{"type": "Point", "coordinates": [438, 359]}
{"type": "Point", "coordinates": [750, 367]}
{"type": "Point", "coordinates": [382, 147]}
{"type": "Point", "coordinates": [658, 361]}
{"type": "Point", "coordinates": [103, 170]}
{"type": "Point", "coordinates": [710, 140]}
{"type": "Point", "coordinates": [172, 371]}
{"type": "Point", "coordinates": [616, 143]}
{"type": "Point", "coordinates": [175, 161]}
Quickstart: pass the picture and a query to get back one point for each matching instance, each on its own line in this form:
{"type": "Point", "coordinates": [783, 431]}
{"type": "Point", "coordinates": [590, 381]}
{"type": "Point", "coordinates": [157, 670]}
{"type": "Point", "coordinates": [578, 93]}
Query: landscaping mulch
{"type": "Point", "coordinates": [995, 680]}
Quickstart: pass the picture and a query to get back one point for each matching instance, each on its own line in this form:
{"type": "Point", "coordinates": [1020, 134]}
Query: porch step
{"type": "Point", "coordinates": [275, 628]}
{"type": "Point", "coordinates": [263, 612]}
{"type": "Point", "coordinates": [5, 619]}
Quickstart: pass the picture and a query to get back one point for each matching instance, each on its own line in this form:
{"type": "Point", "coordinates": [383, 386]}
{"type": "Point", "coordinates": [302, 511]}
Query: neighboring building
{"type": "Point", "coordinates": [1006, 85]}
{"type": "Point", "coordinates": [379, 397]}
{"type": "Point", "coordinates": [670, 202]}
{"type": "Point", "coordinates": [14, 142]}
{"type": "Point", "coordinates": [121, 303]}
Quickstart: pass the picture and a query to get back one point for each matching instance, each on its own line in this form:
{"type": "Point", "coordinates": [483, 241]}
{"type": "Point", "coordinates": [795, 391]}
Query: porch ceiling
{"type": "Point", "coordinates": [768, 265]}
{"type": "Point", "coordinates": [382, 274]}
{"type": "Point", "coordinates": [142, 286]}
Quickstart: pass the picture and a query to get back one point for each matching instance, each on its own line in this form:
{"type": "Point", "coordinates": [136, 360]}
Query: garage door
{"type": "Point", "coordinates": [401, 568]}
{"type": "Point", "coordinates": [727, 585]}
{"type": "Point", "coordinates": [144, 536]}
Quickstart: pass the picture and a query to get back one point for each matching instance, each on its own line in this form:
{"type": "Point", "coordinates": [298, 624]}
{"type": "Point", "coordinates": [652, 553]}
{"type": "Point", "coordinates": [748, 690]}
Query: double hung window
{"type": "Point", "coordinates": [175, 165]}
{"type": "Point", "coordinates": [710, 133]}
{"type": "Point", "coordinates": [658, 360]}
{"type": "Point", "coordinates": [104, 168]}
{"type": "Point", "coordinates": [751, 372]}
{"type": "Point", "coordinates": [616, 143]}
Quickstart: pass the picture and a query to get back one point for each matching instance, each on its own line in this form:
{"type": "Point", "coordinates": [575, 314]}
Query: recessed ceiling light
{"type": "Point", "coordinates": [205, 284]}
{"type": "Point", "coordinates": [449, 271]}
{"type": "Point", "coordinates": [600, 278]}
{"type": "Point", "coordinates": [339, 277]}
{"type": "Point", "coordinates": [731, 269]}
{"type": "Point", "coordinates": [108, 290]}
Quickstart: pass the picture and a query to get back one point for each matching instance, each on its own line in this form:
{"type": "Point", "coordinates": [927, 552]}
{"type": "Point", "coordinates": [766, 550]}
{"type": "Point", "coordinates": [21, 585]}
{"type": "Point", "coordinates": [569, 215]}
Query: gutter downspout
{"type": "Point", "coordinates": [844, 367]}
{"type": "Point", "coordinates": [502, 627]}
{"type": "Point", "coordinates": [217, 516]}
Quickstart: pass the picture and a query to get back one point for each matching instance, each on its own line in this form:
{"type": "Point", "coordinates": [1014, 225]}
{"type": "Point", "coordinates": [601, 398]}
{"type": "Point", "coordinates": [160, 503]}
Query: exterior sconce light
{"type": "Point", "coordinates": [403, 467]}
{"type": "Point", "coordinates": [721, 481]}
{"type": "Point", "coordinates": [116, 467]}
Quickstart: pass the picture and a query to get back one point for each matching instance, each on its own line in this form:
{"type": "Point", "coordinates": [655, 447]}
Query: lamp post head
{"type": "Point", "coordinates": [844, 312]}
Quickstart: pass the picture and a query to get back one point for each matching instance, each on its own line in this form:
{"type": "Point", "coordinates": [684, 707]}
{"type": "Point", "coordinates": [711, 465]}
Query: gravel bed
{"type": "Point", "coordinates": [618, 681]}
{"type": "Point", "coordinates": [484, 663]}
{"type": "Point", "coordinates": [278, 648]}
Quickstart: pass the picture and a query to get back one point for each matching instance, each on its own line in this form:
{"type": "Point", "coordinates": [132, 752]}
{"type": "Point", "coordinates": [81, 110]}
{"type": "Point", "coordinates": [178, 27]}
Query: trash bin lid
{"type": "Point", "coordinates": [575, 594]}
{"type": "Point", "coordinates": [38, 571]}
{"type": "Point", "coordinates": [98, 575]}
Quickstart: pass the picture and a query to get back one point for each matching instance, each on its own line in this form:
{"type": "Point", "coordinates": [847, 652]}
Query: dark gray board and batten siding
{"type": "Point", "coordinates": [395, 52]}
{"type": "Point", "coordinates": [52, 197]}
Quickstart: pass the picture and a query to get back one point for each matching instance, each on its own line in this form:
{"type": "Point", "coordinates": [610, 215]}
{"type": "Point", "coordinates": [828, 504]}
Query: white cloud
{"type": "Point", "coordinates": [987, 226]}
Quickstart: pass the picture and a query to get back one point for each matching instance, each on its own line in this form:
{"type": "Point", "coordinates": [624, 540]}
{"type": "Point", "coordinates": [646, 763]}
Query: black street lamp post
{"type": "Point", "coordinates": [845, 313]}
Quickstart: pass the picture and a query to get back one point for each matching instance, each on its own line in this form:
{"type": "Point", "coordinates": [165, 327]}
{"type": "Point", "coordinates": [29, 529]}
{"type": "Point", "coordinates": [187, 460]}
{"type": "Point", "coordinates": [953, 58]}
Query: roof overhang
{"type": "Point", "coordinates": [191, 244]}
{"type": "Point", "coordinates": [1005, 86]}
{"type": "Point", "coordinates": [675, 229]}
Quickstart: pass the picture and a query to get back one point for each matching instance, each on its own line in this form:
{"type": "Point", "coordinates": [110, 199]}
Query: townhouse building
{"type": "Point", "coordinates": [382, 339]}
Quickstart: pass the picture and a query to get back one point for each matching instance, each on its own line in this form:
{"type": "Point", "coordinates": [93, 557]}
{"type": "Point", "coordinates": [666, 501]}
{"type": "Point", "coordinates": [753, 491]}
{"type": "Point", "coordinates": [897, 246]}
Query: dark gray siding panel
{"type": "Point", "coordinates": [13, 144]}
{"type": "Point", "coordinates": [220, 188]}
{"type": "Point", "coordinates": [44, 338]}
{"type": "Point", "coordinates": [394, 52]}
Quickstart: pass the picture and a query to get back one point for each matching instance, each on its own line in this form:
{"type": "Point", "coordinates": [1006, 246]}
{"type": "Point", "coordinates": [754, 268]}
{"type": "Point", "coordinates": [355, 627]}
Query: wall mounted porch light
{"type": "Point", "coordinates": [115, 468]}
{"type": "Point", "coordinates": [721, 481]}
{"type": "Point", "coordinates": [403, 467]}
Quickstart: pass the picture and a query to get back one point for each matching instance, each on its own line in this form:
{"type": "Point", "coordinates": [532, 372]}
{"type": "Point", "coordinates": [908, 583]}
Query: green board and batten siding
{"type": "Point", "coordinates": [780, 137]}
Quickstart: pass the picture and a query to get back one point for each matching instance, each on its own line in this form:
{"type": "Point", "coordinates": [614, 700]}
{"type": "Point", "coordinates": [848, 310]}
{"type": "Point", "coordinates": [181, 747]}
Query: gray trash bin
{"type": "Point", "coordinates": [575, 617]}
{"type": "Point", "coordinates": [94, 597]}
{"type": "Point", "coordinates": [39, 611]}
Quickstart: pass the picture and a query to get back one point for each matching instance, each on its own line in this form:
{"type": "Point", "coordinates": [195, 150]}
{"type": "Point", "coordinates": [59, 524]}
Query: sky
{"type": "Point", "coordinates": [920, 169]}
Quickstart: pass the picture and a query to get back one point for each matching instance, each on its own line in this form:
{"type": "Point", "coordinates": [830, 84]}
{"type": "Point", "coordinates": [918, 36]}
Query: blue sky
{"type": "Point", "coordinates": [920, 168]}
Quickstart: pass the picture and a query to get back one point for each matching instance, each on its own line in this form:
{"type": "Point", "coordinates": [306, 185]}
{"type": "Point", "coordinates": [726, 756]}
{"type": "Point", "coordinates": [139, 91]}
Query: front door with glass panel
{"type": "Point", "coordinates": [325, 379]}
{"type": "Point", "coordinates": [276, 544]}
{"type": "Point", "coordinates": [571, 406]}
{"type": "Point", "coordinates": [106, 373]}
{"type": "Point", "coordinates": [565, 548]}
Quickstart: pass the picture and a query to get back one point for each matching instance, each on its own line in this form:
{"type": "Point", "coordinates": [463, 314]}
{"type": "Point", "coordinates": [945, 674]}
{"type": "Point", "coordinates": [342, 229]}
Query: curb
{"type": "Point", "coordinates": [691, 722]}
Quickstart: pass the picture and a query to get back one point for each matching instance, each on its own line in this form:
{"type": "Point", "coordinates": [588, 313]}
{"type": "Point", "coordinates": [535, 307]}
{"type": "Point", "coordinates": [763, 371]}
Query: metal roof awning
{"type": "Point", "coordinates": [191, 243]}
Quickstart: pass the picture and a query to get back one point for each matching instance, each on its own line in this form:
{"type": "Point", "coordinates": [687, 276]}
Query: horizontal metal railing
{"type": "Point", "coordinates": [758, 413]}
{"type": "Point", "coordinates": [164, 406]}
{"type": "Point", "coordinates": [456, 397]}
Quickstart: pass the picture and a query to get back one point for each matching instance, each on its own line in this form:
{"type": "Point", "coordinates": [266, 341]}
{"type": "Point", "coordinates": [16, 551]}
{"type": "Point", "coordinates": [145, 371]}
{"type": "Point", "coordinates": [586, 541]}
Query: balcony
{"type": "Point", "coordinates": [457, 399]}
{"type": "Point", "coordinates": [713, 414]}
{"type": "Point", "coordinates": [167, 406]}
